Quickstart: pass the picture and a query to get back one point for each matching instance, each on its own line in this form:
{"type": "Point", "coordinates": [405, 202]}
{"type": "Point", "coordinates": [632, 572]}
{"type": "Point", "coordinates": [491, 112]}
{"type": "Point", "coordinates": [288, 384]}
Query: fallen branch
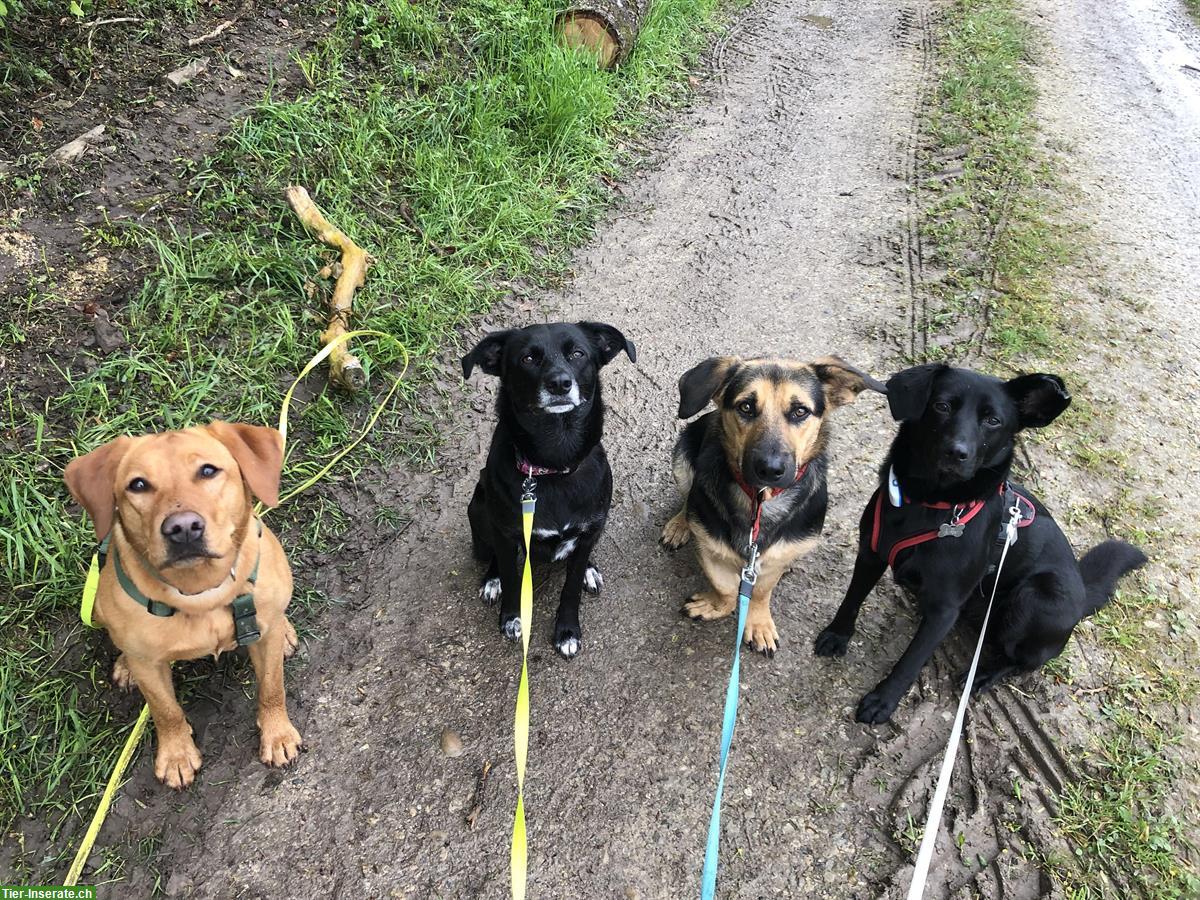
{"type": "Point", "coordinates": [345, 371]}
{"type": "Point", "coordinates": [197, 41]}
{"type": "Point", "coordinates": [220, 29]}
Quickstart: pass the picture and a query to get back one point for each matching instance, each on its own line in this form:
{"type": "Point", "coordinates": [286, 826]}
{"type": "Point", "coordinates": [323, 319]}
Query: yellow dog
{"type": "Point", "coordinates": [191, 572]}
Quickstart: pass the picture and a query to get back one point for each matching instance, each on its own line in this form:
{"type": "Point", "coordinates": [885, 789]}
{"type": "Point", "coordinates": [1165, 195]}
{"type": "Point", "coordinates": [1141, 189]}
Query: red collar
{"type": "Point", "coordinates": [757, 498]}
{"type": "Point", "coordinates": [529, 469]}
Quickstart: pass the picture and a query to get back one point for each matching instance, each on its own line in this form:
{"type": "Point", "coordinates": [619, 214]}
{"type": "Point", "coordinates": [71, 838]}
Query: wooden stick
{"type": "Point", "coordinates": [345, 371]}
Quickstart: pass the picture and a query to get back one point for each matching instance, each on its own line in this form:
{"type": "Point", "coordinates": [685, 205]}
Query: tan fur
{"type": "Point", "coordinates": [774, 401]}
{"type": "Point", "coordinates": [199, 590]}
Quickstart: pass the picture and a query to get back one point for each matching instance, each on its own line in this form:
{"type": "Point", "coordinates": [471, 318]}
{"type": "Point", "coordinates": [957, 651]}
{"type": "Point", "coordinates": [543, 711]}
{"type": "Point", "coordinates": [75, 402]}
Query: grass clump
{"type": "Point", "coordinates": [459, 144]}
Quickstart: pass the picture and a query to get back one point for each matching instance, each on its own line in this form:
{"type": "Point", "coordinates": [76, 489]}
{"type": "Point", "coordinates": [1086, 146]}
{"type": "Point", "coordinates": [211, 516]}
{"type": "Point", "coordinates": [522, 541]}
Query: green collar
{"type": "Point", "coordinates": [245, 622]}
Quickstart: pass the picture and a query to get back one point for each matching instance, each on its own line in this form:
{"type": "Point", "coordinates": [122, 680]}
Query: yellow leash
{"type": "Point", "coordinates": [521, 720]}
{"type": "Point", "coordinates": [92, 582]}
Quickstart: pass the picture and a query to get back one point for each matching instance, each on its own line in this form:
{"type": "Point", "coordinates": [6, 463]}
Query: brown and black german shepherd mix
{"type": "Point", "coordinates": [766, 438]}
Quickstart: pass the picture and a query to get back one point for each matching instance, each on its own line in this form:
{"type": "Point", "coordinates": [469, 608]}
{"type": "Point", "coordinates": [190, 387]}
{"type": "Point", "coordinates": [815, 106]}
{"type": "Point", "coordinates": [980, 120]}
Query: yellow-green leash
{"type": "Point", "coordinates": [519, 858]}
{"type": "Point", "coordinates": [92, 582]}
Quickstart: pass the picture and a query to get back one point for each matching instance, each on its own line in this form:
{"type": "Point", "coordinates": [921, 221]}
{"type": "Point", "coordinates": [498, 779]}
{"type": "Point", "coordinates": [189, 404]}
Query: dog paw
{"type": "Point", "coordinates": [761, 635]}
{"type": "Point", "coordinates": [280, 743]}
{"type": "Point", "coordinates": [831, 643]}
{"type": "Point", "coordinates": [985, 679]}
{"type": "Point", "coordinates": [876, 708]}
{"type": "Point", "coordinates": [489, 591]}
{"type": "Point", "coordinates": [676, 532]}
{"type": "Point", "coordinates": [511, 627]}
{"type": "Point", "coordinates": [708, 606]}
{"type": "Point", "coordinates": [290, 639]}
{"type": "Point", "coordinates": [593, 581]}
{"type": "Point", "coordinates": [177, 761]}
{"type": "Point", "coordinates": [121, 676]}
{"type": "Point", "coordinates": [568, 643]}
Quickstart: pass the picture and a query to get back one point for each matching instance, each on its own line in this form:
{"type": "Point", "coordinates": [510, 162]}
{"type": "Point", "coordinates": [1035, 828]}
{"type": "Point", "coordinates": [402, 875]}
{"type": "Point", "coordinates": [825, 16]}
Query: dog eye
{"type": "Point", "coordinates": [799, 413]}
{"type": "Point", "coordinates": [991, 422]}
{"type": "Point", "coordinates": [746, 407]}
{"type": "Point", "coordinates": [139, 486]}
{"type": "Point", "coordinates": [208, 470]}
{"type": "Point", "coordinates": [942, 406]}
{"type": "Point", "coordinates": [576, 353]}
{"type": "Point", "coordinates": [527, 359]}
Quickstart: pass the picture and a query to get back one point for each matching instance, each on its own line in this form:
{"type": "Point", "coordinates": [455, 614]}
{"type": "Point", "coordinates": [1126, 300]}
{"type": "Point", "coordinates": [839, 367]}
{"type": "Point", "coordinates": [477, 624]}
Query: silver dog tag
{"type": "Point", "coordinates": [948, 530]}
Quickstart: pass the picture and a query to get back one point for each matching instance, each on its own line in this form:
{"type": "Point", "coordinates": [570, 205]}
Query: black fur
{"type": "Point", "coordinates": [955, 445]}
{"type": "Point", "coordinates": [540, 366]}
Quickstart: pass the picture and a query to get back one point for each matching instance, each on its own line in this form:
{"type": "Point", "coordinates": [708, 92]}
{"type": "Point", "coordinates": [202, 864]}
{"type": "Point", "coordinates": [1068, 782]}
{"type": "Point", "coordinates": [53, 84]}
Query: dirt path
{"type": "Point", "coordinates": [777, 221]}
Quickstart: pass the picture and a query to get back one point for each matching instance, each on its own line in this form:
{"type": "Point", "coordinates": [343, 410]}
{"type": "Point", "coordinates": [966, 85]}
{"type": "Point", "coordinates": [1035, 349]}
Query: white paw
{"type": "Point", "coordinates": [489, 591]}
{"type": "Point", "coordinates": [593, 581]}
{"type": "Point", "coordinates": [512, 629]}
{"type": "Point", "coordinates": [568, 647]}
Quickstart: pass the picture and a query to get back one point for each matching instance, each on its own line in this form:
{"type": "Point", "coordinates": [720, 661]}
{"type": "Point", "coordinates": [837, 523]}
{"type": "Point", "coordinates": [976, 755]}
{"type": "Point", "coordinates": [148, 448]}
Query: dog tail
{"type": "Point", "coordinates": [1102, 566]}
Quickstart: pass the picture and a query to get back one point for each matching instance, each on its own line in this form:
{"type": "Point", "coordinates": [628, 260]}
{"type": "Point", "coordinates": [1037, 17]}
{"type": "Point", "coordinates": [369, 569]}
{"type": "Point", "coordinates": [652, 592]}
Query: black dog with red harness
{"type": "Point", "coordinates": [938, 520]}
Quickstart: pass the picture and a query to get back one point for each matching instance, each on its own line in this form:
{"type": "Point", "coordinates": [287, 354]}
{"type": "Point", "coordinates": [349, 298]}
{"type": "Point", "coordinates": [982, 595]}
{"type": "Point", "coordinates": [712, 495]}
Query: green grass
{"type": "Point", "coordinates": [460, 146]}
{"type": "Point", "coordinates": [994, 230]}
{"type": "Point", "coordinates": [988, 225]}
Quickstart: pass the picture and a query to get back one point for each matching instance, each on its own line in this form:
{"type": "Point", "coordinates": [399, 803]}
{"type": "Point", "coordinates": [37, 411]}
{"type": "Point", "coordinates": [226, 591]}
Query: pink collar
{"type": "Point", "coordinates": [529, 469]}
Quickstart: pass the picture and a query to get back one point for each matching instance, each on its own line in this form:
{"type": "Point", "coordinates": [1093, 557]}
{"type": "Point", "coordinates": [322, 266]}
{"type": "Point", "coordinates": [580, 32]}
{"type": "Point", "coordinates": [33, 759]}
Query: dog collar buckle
{"type": "Point", "coordinates": [245, 620]}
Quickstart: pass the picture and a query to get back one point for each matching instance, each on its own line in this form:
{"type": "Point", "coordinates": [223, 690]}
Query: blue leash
{"type": "Point", "coordinates": [708, 878]}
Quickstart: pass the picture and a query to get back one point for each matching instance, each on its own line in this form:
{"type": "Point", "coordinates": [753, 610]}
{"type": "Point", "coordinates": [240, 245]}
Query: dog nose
{"type": "Point", "coordinates": [183, 527]}
{"type": "Point", "coordinates": [769, 467]}
{"type": "Point", "coordinates": [559, 383]}
{"type": "Point", "coordinates": [957, 452]}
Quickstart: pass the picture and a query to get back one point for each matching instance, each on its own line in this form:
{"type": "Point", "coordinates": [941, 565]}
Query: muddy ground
{"type": "Point", "coordinates": [779, 218]}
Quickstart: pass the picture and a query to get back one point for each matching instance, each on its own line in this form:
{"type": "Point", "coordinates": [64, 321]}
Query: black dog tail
{"type": "Point", "coordinates": [1102, 566]}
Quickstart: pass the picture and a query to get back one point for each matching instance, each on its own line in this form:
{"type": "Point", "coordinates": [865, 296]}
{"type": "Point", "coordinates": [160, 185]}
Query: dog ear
{"type": "Point", "coordinates": [842, 381]}
{"type": "Point", "coordinates": [908, 391]}
{"type": "Point", "coordinates": [258, 452]}
{"type": "Point", "coordinates": [608, 341]}
{"type": "Point", "coordinates": [1040, 398]}
{"type": "Point", "coordinates": [90, 479]}
{"type": "Point", "coordinates": [487, 354]}
{"type": "Point", "coordinates": [703, 382]}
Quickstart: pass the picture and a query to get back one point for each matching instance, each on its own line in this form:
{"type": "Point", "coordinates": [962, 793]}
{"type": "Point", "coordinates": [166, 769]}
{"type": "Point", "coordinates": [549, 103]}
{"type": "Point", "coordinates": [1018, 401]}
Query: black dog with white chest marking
{"type": "Point", "coordinates": [938, 520]}
{"type": "Point", "coordinates": [550, 424]}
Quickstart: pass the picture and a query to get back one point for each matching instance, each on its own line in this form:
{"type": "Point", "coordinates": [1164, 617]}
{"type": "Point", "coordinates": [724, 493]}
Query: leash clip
{"type": "Point", "coordinates": [749, 572]}
{"type": "Point", "coordinates": [1010, 530]}
{"type": "Point", "coordinates": [528, 488]}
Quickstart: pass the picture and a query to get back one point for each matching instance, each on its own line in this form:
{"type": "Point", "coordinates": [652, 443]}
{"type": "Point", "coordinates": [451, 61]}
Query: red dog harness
{"type": "Point", "coordinates": [961, 514]}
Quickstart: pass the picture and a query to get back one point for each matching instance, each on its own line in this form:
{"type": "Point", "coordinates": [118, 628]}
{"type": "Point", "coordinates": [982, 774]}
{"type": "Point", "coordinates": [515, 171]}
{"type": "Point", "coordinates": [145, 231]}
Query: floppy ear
{"type": "Point", "coordinates": [487, 354]}
{"type": "Point", "coordinates": [1040, 398]}
{"type": "Point", "coordinates": [842, 381]}
{"type": "Point", "coordinates": [701, 383]}
{"type": "Point", "coordinates": [90, 480]}
{"type": "Point", "coordinates": [908, 391]}
{"type": "Point", "coordinates": [608, 341]}
{"type": "Point", "coordinates": [258, 452]}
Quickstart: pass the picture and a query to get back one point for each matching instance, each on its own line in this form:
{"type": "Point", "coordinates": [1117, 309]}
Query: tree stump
{"type": "Point", "coordinates": [608, 28]}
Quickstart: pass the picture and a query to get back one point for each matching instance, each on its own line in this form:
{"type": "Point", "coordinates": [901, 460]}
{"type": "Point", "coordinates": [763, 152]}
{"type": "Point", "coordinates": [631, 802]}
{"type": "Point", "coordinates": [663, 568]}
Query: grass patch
{"type": "Point", "coordinates": [460, 146]}
{"type": "Point", "coordinates": [993, 232]}
{"type": "Point", "coordinates": [986, 223]}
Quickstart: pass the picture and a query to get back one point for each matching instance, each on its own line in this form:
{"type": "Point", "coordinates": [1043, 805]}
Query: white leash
{"type": "Point", "coordinates": [925, 854]}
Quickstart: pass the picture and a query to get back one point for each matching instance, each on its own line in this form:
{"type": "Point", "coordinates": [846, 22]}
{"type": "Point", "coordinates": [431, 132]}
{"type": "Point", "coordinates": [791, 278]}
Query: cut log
{"type": "Point", "coordinates": [345, 370]}
{"type": "Point", "coordinates": [607, 28]}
